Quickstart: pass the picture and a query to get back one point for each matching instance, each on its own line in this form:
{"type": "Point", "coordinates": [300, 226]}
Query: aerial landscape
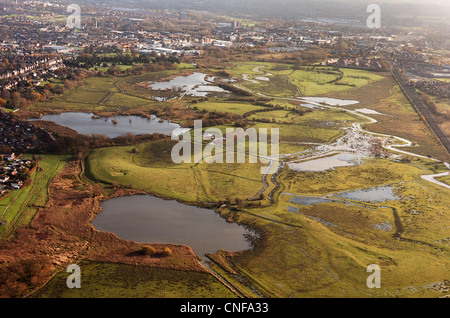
{"type": "Point", "coordinates": [224, 149]}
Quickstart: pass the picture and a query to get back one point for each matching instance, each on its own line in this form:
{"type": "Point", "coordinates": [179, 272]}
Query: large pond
{"type": "Point", "coordinates": [148, 219]}
{"type": "Point", "coordinates": [85, 124]}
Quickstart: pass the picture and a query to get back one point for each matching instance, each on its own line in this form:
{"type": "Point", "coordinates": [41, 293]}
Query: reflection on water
{"type": "Point", "coordinates": [330, 101]}
{"type": "Point", "coordinates": [195, 84]}
{"type": "Point", "coordinates": [375, 194]}
{"type": "Point", "coordinates": [116, 126]}
{"type": "Point", "coordinates": [148, 219]}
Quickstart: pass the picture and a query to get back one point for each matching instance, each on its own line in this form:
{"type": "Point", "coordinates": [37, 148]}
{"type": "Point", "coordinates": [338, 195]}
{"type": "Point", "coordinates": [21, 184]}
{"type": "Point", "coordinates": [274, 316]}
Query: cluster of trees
{"type": "Point", "coordinates": [22, 275]}
{"type": "Point", "coordinates": [140, 69]}
{"type": "Point", "coordinates": [81, 144]}
{"type": "Point", "coordinates": [16, 99]}
{"type": "Point", "coordinates": [114, 60]}
{"type": "Point", "coordinates": [299, 59]}
{"type": "Point", "coordinates": [428, 101]}
{"type": "Point", "coordinates": [24, 96]}
{"type": "Point", "coordinates": [235, 90]}
{"type": "Point", "coordinates": [211, 119]}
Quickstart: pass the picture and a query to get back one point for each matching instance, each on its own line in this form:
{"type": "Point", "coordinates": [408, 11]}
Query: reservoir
{"type": "Point", "coordinates": [115, 126]}
{"type": "Point", "coordinates": [148, 219]}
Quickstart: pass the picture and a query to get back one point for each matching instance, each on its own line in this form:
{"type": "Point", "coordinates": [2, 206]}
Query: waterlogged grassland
{"type": "Point", "coordinates": [136, 85]}
{"type": "Point", "coordinates": [323, 250]}
{"type": "Point", "coordinates": [20, 207]}
{"type": "Point", "coordinates": [372, 173]}
{"type": "Point", "coordinates": [423, 206]}
{"type": "Point", "coordinates": [399, 117]}
{"type": "Point", "coordinates": [309, 259]}
{"type": "Point", "coordinates": [285, 81]}
{"type": "Point", "coordinates": [101, 280]}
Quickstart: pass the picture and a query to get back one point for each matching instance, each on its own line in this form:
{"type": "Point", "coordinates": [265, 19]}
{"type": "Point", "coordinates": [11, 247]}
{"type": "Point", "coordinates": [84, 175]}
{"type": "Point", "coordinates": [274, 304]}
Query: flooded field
{"type": "Point", "coordinates": [196, 84]}
{"type": "Point", "coordinates": [375, 194]}
{"type": "Point", "coordinates": [85, 124]}
{"type": "Point", "coordinates": [330, 101]}
{"type": "Point", "coordinates": [327, 163]}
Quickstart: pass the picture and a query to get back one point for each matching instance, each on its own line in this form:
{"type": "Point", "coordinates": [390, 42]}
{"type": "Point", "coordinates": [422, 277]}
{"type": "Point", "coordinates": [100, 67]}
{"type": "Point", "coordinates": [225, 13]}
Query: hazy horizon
{"type": "Point", "coordinates": [394, 11]}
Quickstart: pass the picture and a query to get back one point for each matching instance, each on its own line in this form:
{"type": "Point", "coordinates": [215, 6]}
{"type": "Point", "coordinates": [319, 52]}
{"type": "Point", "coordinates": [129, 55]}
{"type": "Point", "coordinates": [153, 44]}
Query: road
{"type": "Point", "coordinates": [421, 108]}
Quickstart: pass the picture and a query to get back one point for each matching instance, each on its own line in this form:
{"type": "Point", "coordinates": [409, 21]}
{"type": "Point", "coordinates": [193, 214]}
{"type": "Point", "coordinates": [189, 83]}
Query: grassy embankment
{"type": "Point", "coordinates": [186, 182]}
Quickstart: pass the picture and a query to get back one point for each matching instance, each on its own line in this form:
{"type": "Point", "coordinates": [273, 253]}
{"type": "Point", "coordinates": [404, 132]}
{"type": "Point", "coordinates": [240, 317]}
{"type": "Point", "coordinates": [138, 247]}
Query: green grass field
{"type": "Point", "coordinates": [303, 133]}
{"type": "Point", "coordinates": [445, 179]}
{"type": "Point", "coordinates": [97, 94]}
{"type": "Point", "coordinates": [316, 117]}
{"type": "Point", "coordinates": [20, 207]}
{"type": "Point", "coordinates": [101, 280]}
{"type": "Point", "coordinates": [310, 81]}
{"type": "Point", "coordinates": [186, 182]}
{"type": "Point", "coordinates": [227, 107]}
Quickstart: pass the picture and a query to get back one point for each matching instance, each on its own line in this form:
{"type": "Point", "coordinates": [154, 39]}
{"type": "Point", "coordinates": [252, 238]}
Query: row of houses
{"type": "Point", "coordinates": [364, 63]}
{"type": "Point", "coordinates": [12, 78]}
{"type": "Point", "coordinates": [18, 135]}
{"type": "Point", "coordinates": [13, 172]}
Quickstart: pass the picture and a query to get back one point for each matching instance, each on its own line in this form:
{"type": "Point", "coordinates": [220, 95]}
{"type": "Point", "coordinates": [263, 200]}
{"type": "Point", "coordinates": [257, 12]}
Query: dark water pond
{"type": "Point", "coordinates": [148, 219]}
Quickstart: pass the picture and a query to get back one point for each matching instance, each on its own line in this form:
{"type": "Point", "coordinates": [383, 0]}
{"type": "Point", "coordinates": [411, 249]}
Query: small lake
{"type": "Point", "coordinates": [84, 124]}
{"type": "Point", "coordinates": [148, 219]}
